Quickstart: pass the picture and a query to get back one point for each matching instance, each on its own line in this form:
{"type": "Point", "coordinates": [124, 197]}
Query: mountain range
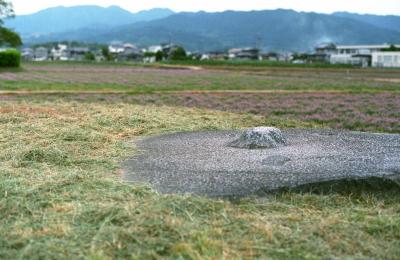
{"type": "Point", "coordinates": [61, 19]}
{"type": "Point", "coordinates": [201, 31]}
{"type": "Point", "coordinates": [390, 22]}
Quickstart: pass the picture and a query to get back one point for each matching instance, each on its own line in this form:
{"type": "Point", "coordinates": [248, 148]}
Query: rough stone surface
{"type": "Point", "coordinates": [260, 137]}
{"type": "Point", "coordinates": [202, 163]}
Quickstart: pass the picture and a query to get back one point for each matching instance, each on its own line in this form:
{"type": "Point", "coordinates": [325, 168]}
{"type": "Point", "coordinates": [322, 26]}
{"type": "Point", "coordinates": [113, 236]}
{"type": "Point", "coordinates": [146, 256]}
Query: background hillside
{"type": "Point", "coordinates": [390, 22]}
{"type": "Point", "coordinates": [61, 19]}
{"type": "Point", "coordinates": [271, 29]}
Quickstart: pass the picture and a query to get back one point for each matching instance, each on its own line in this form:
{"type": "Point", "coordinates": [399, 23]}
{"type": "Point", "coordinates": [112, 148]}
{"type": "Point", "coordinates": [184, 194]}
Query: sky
{"type": "Point", "coordinates": [322, 6]}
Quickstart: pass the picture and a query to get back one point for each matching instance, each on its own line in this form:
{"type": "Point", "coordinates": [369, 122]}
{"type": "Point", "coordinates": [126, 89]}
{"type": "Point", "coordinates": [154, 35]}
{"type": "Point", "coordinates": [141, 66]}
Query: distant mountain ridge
{"type": "Point", "coordinates": [201, 31]}
{"type": "Point", "coordinates": [61, 19]}
{"type": "Point", "coordinates": [390, 22]}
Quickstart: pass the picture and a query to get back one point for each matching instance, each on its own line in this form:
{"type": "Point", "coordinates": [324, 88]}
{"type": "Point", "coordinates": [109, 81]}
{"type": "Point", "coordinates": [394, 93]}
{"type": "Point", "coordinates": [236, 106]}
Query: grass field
{"type": "Point", "coordinates": [61, 196]}
{"type": "Point", "coordinates": [134, 79]}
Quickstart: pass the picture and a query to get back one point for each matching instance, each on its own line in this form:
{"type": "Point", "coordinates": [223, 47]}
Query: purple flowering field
{"type": "Point", "coordinates": [357, 99]}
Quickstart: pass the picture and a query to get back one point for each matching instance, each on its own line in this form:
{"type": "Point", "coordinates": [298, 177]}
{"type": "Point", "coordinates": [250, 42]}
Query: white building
{"type": "Point", "coordinates": [41, 54]}
{"type": "Point", "coordinates": [244, 54]}
{"type": "Point", "coordinates": [386, 59]}
{"type": "Point", "coordinates": [155, 48]}
{"type": "Point", "coordinates": [116, 48]}
{"type": "Point", "coordinates": [361, 49]}
{"type": "Point", "coordinates": [364, 55]}
{"type": "Point", "coordinates": [59, 52]}
{"type": "Point", "coordinates": [27, 54]}
{"type": "Point", "coordinates": [351, 59]}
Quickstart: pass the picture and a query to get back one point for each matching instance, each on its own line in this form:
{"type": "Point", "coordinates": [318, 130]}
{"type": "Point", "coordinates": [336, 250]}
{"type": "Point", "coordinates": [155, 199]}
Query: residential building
{"type": "Point", "coordinates": [351, 59]}
{"type": "Point", "coordinates": [244, 54]}
{"type": "Point", "coordinates": [27, 54]}
{"type": "Point", "coordinates": [41, 54]}
{"type": "Point", "coordinates": [215, 55]}
{"type": "Point", "coordinates": [154, 48]}
{"type": "Point", "coordinates": [276, 56]}
{"type": "Point", "coordinates": [322, 53]}
{"type": "Point", "coordinates": [130, 53]}
{"type": "Point", "coordinates": [77, 53]}
{"type": "Point", "coordinates": [59, 52]}
{"type": "Point", "coordinates": [98, 56]}
{"type": "Point", "coordinates": [116, 47]}
{"type": "Point", "coordinates": [386, 59]}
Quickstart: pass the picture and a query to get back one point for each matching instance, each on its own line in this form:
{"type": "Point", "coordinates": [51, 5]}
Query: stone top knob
{"type": "Point", "coordinates": [259, 138]}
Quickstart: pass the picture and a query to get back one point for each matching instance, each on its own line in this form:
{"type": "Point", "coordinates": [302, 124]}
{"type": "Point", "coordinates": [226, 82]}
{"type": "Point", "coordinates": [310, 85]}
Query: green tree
{"type": "Point", "coordinates": [178, 54]}
{"type": "Point", "coordinates": [392, 48]}
{"type": "Point", "coordinates": [160, 55]}
{"type": "Point", "coordinates": [6, 10]}
{"type": "Point", "coordinates": [106, 53]}
{"type": "Point", "coordinates": [7, 36]}
{"type": "Point", "coordinates": [89, 56]}
{"type": "Point", "coordinates": [149, 54]}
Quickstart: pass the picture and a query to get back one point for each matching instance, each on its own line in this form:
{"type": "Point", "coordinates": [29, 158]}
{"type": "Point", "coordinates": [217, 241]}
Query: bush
{"type": "Point", "coordinates": [10, 58]}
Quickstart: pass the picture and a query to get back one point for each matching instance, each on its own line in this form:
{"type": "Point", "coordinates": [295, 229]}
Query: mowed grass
{"type": "Point", "coordinates": [61, 196]}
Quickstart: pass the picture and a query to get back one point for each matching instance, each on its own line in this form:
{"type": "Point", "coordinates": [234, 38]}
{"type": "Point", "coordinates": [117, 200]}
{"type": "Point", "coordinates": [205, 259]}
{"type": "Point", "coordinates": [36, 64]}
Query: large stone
{"type": "Point", "coordinates": [202, 163]}
{"type": "Point", "coordinates": [259, 138]}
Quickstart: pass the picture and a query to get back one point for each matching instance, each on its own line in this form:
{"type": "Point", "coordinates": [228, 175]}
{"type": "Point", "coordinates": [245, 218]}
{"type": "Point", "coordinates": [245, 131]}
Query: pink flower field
{"type": "Point", "coordinates": [365, 100]}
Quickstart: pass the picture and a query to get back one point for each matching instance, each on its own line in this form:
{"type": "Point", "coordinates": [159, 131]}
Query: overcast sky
{"type": "Point", "coordinates": [359, 6]}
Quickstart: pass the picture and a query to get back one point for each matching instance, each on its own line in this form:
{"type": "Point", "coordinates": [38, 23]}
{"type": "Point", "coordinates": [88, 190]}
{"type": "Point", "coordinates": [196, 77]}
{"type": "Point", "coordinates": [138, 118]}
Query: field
{"type": "Point", "coordinates": [65, 129]}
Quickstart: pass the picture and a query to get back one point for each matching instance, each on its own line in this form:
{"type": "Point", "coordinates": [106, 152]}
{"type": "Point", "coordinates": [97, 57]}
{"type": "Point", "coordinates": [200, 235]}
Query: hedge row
{"type": "Point", "coordinates": [10, 58]}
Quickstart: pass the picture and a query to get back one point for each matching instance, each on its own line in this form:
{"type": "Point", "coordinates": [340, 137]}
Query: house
{"type": "Point", "coordinates": [27, 54]}
{"type": "Point", "coordinates": [116, 47]}
{"type": "Point", "coordinates": [154, 49]}
{"type": "Point", "coordinates": [216, 55]}
{"type": "Point", "coordinates": [244, 54]}
{"type": "Point", "coordinates": [59, 52]}
{"type": "Point", "coordinates": [232, 53]}
{"type": "Point", "coordinates": [323, 53]}
{"type": "Point", "coordinates": [326, 48]}
{"type": "Point", "coordinates": [98, 56]}
{"type": "Point", "coordinates": [387, 59]}
{"type": "Point", "coordinates": [169, 47]}
{"type": "Point", "coordinates": [41, 54]}
{"type": "Point", "coordinates": [270, 56]}
{"type": "Point", "coordinates": [77, 53]}
{"type": "Point", "coordinates": [149, 59]}
{"type": "Point", "coordinates": [276, 56]}
{"type": "Point", "coordinates": [130, 53]}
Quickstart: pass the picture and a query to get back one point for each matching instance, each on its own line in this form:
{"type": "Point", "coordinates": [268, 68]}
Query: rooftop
{"type": "Point", "coordinates": [381, 46]}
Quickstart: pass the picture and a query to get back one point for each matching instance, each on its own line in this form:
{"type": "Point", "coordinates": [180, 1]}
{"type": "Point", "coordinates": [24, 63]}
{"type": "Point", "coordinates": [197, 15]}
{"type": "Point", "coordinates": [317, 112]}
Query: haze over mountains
{"type": "Point", "coordinates": [271, 29]}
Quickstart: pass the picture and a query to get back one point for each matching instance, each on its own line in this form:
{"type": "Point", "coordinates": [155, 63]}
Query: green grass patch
{"type": "Point", "coordinates": [192, 85]}
{"type": "Point", "coordinates": [61, 196]}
